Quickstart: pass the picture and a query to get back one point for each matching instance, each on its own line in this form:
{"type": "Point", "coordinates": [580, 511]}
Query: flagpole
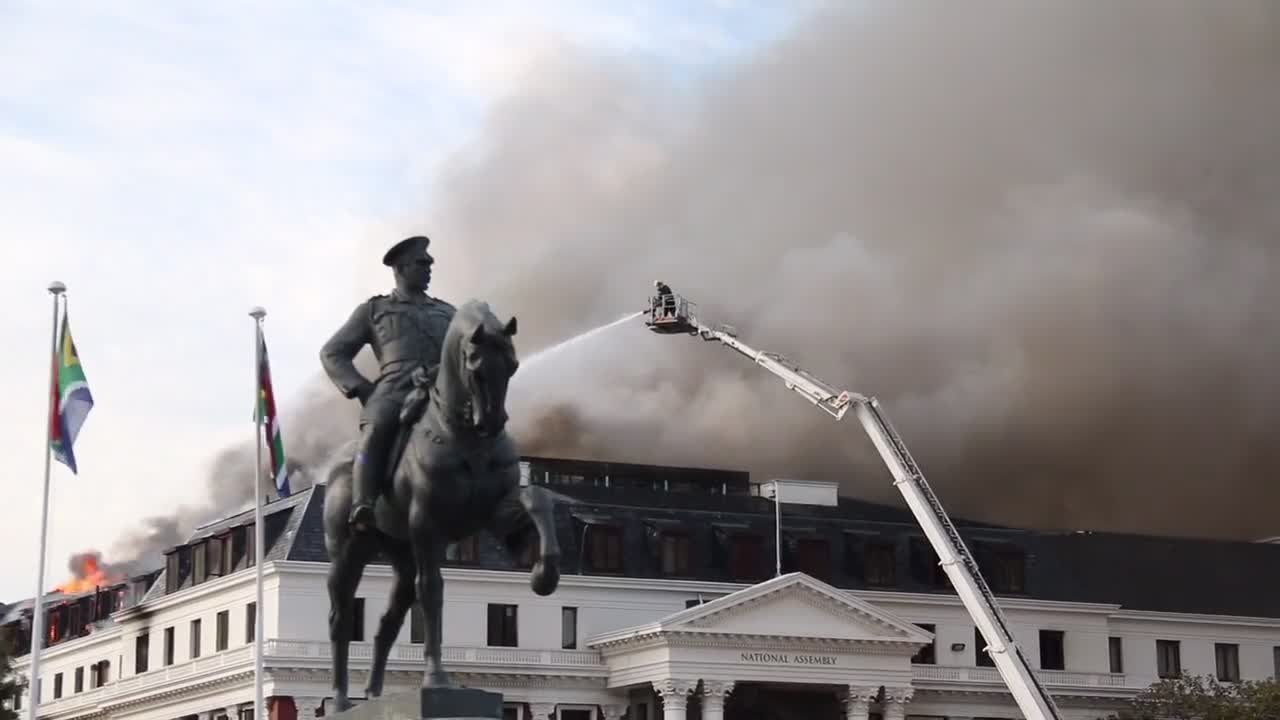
{"type": "Point", "coordinates": [257, 313]}
{"type": "Point", "coordinates": [37, 614]}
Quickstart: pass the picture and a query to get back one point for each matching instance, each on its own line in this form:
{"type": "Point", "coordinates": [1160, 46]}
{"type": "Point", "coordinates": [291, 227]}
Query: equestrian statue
{"type": "Point", "coordinates": [434, 463]}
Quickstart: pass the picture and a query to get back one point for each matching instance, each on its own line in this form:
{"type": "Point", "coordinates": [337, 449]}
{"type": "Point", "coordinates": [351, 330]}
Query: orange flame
{"type": "Point", "coordinates": [89, 575]}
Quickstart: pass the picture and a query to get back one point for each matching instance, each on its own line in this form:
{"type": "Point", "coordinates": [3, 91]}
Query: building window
{"type": "Point", "coordinates": [503, 631]}
{"type": "Point", "coordinates": [568, 628]}
{"type": "Point", "coordinates": [223, 631]}
{"type": "Point", "coordinates": [417, 625]}
{"type": "Point", "coordinates": [57, 686]}
{"type": "Point", "coordinates": [195, 639]}
{"type": "Point", "coordinates": [1275, 660]}
{"type": "Point", "coordinates": [214, 549]}
{"type": "Point", "coordinates": [927, 655]}
{"type": "Point", "coordinates": [357, 620]}
{"type": "Point", "coordinates": [926, 567]}
{"type": "Point", "coordinates": [466, 550]}
{"type": "Point", "coordinates": [1009, 573]}
{"type": "Point", "coordinates": [250, 545]}
{"type": "Point", "coordinates": [576, 714]}
{"type": "Point", "coordinates": [746, 558]}
{"type": "Point", "coordinates": [604, 548]}
{"type": "Point", "coordinates": [93, 676]}
{"type": "Point", "coordinates": [980, 654]}
{"type": "Point", "coordinates": [880, 563]}
{"type": "Point", "coordinates": [250, 622]}
{"type": "Point", "coordinates": [674, 552]}
{"type": "Point", "coordinates": [168, 647]}
{"type": "Point", "coordinates": [527, 555]}
{"type": "Point", "coordinates": [814, 558]}
{"type": "Point", "coordinates": [140, 648]}
{"type": "Point", "coordinates": [1116, 647]}
{"type": "Point", "coordinates": [200, 555]}
{"type": "Point", "coordinates": [1228, 657]}
{"type": "Point", "coordinates": [172, 578]}
{"type": "Point", "coordinates": [79, 680]}
{"type": "Point", "coordinates": [1053, 654]}
{"type": "Point", "coordinates": [1168, 658]}
{"type": "Point", "coordinates": [228, 560]}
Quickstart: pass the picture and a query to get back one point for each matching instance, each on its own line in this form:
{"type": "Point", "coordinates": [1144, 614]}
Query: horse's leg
{"type": "Point", "coordinates": [403, 595]}
{"type": "Point", "coordinates": [428, 553]}
{"type": "Point", "coordinates": [345, 571]}
{"type": "Point", "coordinates": [545, 576]}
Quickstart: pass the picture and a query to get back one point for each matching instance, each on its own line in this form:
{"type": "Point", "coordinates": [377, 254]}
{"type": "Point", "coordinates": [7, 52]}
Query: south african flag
{"type": "Point", "coordinates": [72, 400]}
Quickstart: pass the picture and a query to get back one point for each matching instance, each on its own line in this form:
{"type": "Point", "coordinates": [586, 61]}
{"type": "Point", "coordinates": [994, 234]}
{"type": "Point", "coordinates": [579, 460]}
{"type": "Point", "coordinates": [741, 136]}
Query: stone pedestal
{"type": "Point", "coordinates": [429, 704]}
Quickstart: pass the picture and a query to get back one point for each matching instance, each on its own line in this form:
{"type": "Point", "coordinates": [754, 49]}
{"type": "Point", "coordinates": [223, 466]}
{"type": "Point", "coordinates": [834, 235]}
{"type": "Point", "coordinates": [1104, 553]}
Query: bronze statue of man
{"type": "Point", "coordinates": [406, 329]}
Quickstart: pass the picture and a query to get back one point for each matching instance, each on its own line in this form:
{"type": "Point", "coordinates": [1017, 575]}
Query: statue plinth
{"type": "Point", "coordinates": [444, 703]}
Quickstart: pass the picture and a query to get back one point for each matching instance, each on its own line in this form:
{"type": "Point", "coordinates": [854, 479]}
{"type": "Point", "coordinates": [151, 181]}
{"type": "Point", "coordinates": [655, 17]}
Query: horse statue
{"type": "Point", "coordinates": [456, 472]}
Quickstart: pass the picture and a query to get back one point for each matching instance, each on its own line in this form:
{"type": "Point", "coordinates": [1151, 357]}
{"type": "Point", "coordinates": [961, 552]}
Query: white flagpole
{"type": "Point", "coordinates": [37, 614]}
{"type": "Point", "coordinates": [259, 712]}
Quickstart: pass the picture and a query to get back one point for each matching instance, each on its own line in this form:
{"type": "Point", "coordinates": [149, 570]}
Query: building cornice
{"type": "Point", "coordinates": [1198, 618]}
{"type": "Point", "coordinates": [613, 582]}
{"type": "Point", "coordinates": [1006, 603]}
{"type": "Point", "coordinates": [108, 634]}
{"type": "Point", "coordinates": [196, 592]}
{"type": "Point", "coordinates": [507, 577]}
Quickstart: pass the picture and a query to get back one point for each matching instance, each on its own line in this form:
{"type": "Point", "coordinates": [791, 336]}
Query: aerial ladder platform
{"type": "Point", "coordinates": [672, 314]}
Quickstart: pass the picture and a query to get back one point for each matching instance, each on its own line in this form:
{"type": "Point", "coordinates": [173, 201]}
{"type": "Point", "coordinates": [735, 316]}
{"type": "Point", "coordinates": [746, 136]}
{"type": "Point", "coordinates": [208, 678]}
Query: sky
{"type": "Point", "coordinates": [177, 165]}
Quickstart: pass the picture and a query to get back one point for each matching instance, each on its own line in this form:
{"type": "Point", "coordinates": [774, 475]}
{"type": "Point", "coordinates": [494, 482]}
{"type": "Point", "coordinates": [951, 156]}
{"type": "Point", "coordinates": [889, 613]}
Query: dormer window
{"type": "Point", "coordinates": [200, 556]}
{"type": "Point", "coordinates": [250, 548]}
{"type": "Point", "coordinates": [466, 551]}
{"type": "Point", "coordinates": [214, 559]}
{"type": "Point", "coordinates": [603, 549]}
{"type": "Point", "coordinates": [675, 551]}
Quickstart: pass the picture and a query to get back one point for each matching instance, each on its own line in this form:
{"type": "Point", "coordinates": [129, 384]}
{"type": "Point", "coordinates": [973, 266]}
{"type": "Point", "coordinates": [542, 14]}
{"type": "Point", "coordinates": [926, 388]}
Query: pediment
{"type": "Point", "coordinates": [798, 606]}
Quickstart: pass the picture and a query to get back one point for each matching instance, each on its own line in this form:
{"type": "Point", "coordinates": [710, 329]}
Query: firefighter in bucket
{"type": "Point", "coordinates": [664, 305]}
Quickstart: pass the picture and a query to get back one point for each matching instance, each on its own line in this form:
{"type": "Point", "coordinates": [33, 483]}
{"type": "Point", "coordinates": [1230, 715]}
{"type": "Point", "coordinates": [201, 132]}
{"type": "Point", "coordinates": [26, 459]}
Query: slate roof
{"type": "Point", "coordinates": [281, 522]}
{"type": "Point", "coordinates": [1181, 575]}
{"type": "Point", "coordinates": [1178, 575]}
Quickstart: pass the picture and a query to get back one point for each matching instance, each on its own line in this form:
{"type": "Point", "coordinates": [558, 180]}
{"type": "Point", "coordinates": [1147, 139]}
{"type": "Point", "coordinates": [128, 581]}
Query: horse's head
{"type": "Point", "coordinates": [486, 361]}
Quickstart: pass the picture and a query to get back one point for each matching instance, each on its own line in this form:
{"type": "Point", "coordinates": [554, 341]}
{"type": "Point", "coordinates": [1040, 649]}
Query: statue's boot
{"type": "Point", "coordinates": [364, 487]}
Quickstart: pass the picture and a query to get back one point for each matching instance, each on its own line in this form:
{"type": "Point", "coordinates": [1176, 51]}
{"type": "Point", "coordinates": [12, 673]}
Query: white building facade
{"type": "Point", "coordinates": [608, 646]}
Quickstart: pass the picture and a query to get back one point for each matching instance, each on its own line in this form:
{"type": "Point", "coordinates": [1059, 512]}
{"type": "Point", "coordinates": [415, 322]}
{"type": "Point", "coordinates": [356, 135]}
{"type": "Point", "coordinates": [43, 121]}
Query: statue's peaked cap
{"type": "Point", "coordinates": [409, 245]}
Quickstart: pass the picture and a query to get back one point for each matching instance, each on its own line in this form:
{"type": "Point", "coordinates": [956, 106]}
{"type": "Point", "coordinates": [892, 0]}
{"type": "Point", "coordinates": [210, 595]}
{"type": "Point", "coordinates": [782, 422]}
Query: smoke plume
{"type": "Point", "coordinates": [1043, 234]}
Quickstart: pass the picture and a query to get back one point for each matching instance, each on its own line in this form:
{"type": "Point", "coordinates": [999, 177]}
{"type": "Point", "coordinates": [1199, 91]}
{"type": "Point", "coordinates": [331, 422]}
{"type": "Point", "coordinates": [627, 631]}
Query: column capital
{"type": "Point", "coordinates": [718, 689]}
{"type": "Point", "coordinates": [901, 695]}
{"type": "Point", "coordinates": [612, 711]}
{"type": "Point", "coordinates": [674, 691]}
{"type": "Point", "coordinates": [857, 701]}
{"type": "Point", "coordinates": [542, 711]}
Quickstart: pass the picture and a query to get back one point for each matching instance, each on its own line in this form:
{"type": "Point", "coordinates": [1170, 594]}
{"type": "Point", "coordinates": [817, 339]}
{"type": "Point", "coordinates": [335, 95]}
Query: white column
{"type": "Point", "coordinates": [542, 711]}
{"type": "Point", "coordinates": [895, 702]}
{"type": "Point", "coordinates": [306, 706]}
{"type": "Point", "coordinates": [612, 711]}
{"type": "Point", "coordinates": [233, 712]}
{"type": "Point", "coordinates": [675, 696]}
{"type": "Point", "coordinates": [857, 701]}
{"type": "Point", "coordinates": [714, 694]}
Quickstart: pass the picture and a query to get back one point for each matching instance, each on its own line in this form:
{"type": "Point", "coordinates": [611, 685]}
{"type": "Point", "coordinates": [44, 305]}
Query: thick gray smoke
{"type": "Point", "coordinates": [1043, 234]}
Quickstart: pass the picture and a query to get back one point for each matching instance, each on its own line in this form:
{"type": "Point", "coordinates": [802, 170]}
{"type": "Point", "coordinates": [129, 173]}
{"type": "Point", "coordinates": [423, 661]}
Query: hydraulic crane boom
{"type": "Point", "coordinates": [671, 314]}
